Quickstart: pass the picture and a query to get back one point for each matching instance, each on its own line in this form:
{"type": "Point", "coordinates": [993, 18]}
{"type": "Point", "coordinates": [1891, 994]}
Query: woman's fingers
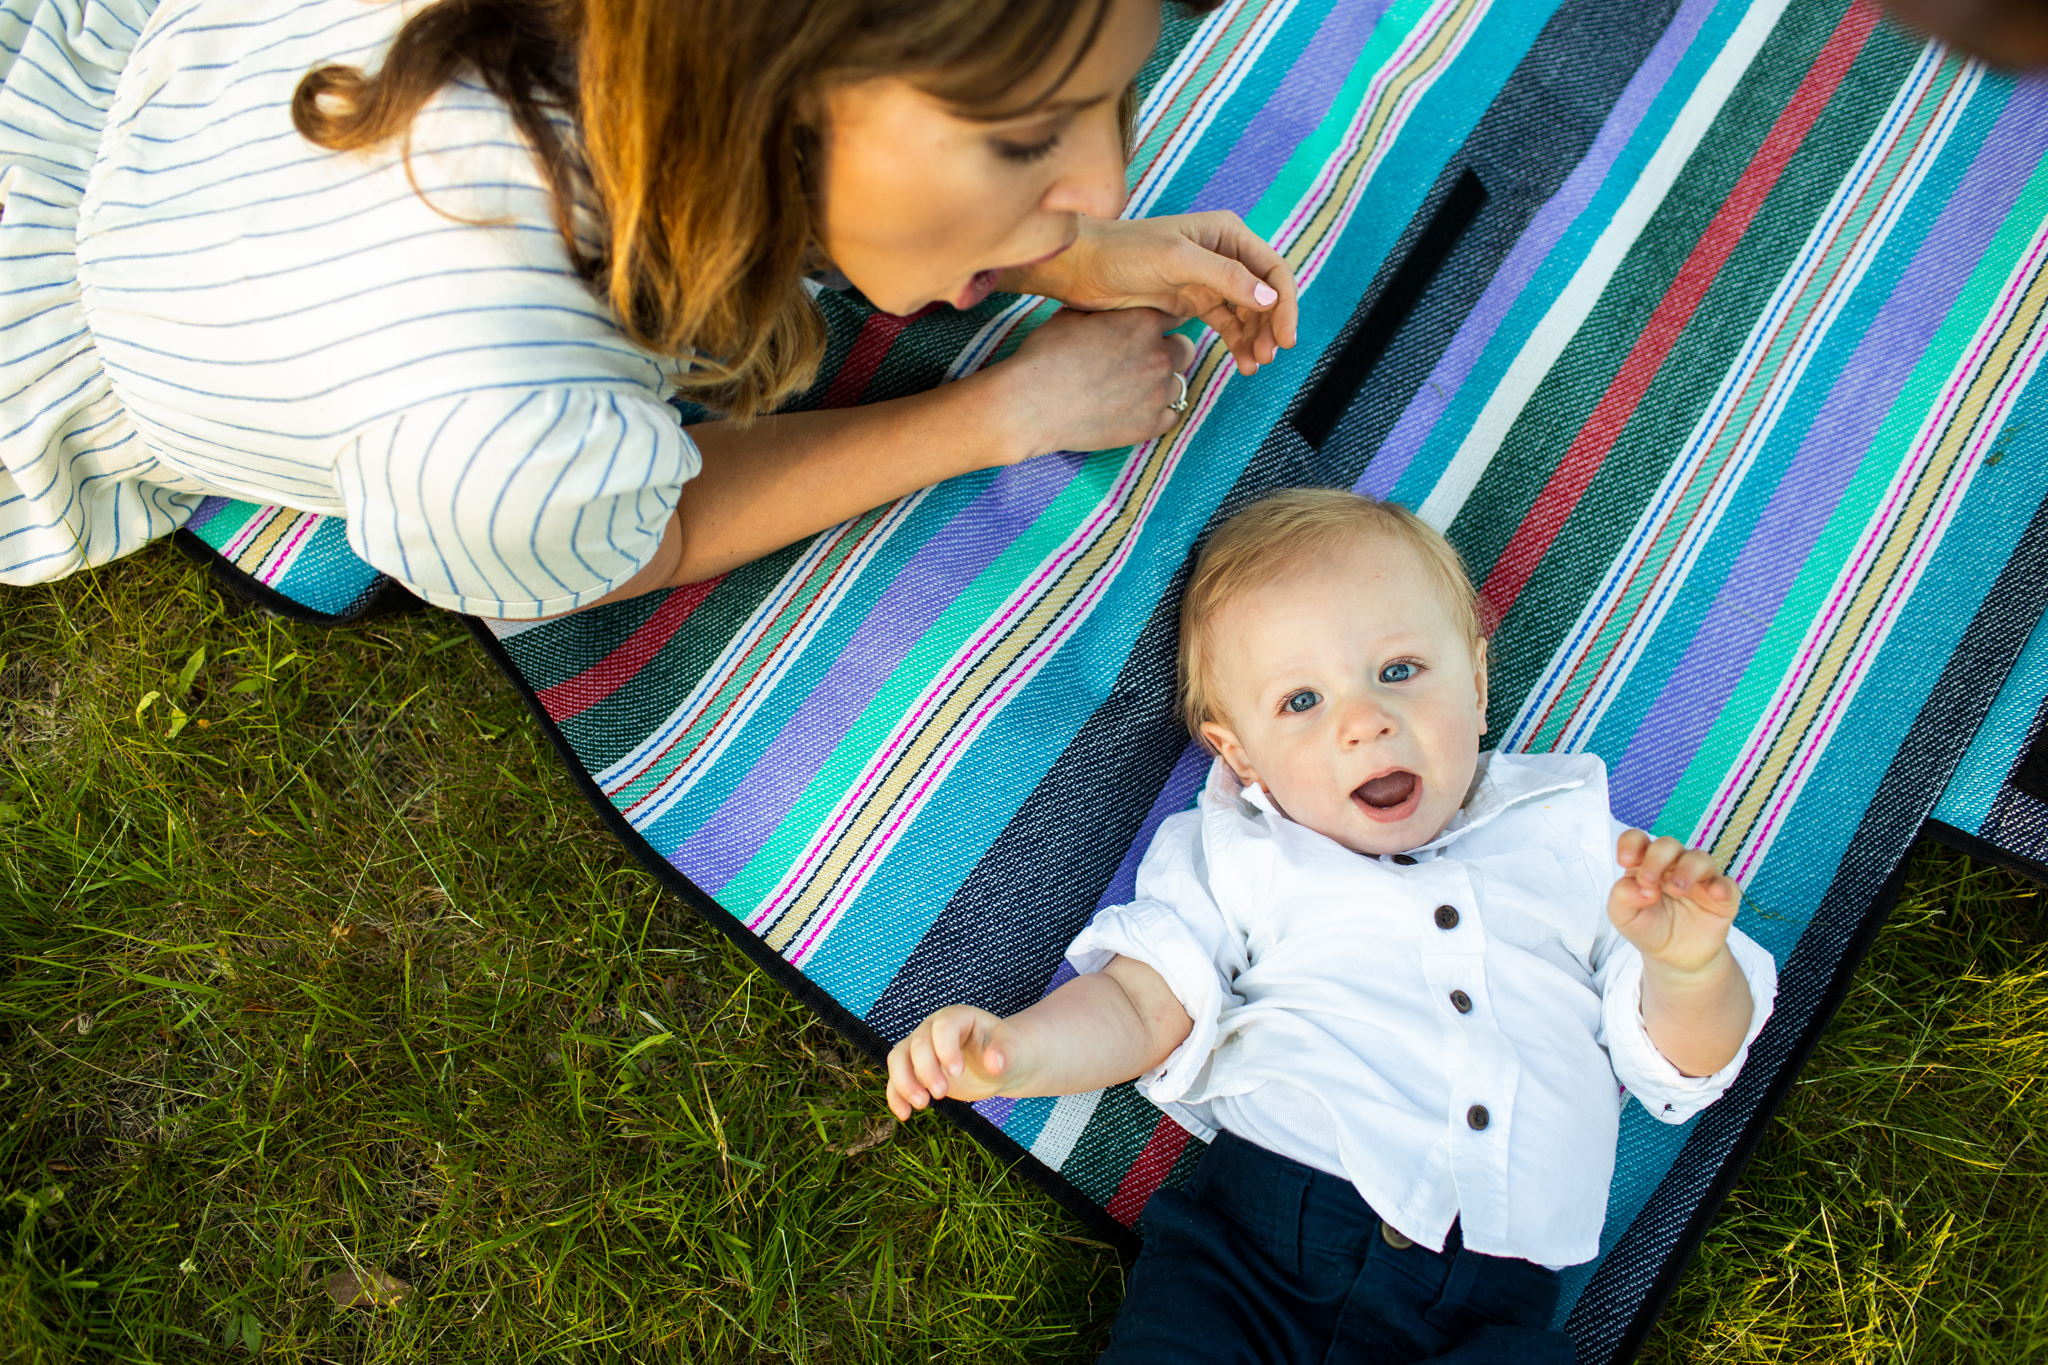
{"type": "Point", "coordinates": [1096, 381]}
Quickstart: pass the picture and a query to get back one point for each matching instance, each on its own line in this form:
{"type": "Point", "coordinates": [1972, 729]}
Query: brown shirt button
{"type": "Point", "coordinates": [1477, 1116]}
{"type": "Point", "coordinates": [1447, 917]}
{"type": "Point", "coordinates": [1403, 860]}
{"type": "Point", "coordinates": [1462, 1003]}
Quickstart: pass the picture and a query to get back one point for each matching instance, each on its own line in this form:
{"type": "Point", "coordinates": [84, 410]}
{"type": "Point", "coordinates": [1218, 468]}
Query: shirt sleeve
{"type": "Point", "coordinates": [516, 503]}
{"type": "Point", "coordinates": [1658, 1086]}
{"type": "Point", "coordinates": [1176, 928]}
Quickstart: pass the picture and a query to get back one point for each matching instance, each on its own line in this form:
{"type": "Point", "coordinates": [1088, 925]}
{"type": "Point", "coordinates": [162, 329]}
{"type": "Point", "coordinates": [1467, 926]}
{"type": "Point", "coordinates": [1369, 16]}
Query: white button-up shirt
{"type": "Point", "coordinates": [1444, 1030]}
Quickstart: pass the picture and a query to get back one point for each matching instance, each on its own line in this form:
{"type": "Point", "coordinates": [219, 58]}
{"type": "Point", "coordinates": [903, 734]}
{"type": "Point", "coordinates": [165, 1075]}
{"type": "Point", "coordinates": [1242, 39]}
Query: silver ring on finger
{"type": "Point", "coordinates": [1180, 404]}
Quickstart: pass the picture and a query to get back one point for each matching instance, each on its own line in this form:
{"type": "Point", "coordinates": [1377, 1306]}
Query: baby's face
{"type": "Point", "coordinates": [1349, 691]}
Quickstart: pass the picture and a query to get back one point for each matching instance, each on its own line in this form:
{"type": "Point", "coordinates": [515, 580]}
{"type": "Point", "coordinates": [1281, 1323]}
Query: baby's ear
{"type": "Point", "coordinates": [1223, 743]}
{"type": "Point", "coordinates": [1479, 679]}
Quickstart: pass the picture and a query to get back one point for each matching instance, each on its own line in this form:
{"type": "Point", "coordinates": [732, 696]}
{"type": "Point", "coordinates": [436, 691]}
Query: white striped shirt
{"type": "Point", "coordinates": [290, 325]}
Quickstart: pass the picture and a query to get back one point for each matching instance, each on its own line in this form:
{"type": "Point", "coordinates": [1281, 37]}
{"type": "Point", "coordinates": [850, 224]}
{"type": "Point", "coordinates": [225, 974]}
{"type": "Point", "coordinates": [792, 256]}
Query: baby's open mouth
{"type": "Point", "coordinates": [1389, 791]}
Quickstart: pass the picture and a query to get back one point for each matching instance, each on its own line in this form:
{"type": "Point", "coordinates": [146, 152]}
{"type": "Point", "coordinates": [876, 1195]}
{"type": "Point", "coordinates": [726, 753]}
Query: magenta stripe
{"type": "Point", "coordinates": [1015, 608]}
{"type": "Point", "coordinates": [927, 585]}
{"type": "Point", "coordinates": [1754, 589]}
{"type": "Point", "coordinates": [281, 558]}
{"type": "Point", "coordinates": [1538, 240]}
{"type": "Point", "coordinates": [1297, 105]}
{"type": "Point", "coordinates": [1074, 615]}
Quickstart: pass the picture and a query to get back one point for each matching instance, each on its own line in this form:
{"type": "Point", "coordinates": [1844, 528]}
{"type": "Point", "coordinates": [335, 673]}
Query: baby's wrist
{"type": "Point", "coordinates": [1682, 975]}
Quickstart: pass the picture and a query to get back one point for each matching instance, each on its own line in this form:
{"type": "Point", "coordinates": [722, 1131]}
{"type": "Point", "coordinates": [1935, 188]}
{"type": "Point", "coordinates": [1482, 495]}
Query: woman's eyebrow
{"type": "Point", "coordinates": [1051, 108]}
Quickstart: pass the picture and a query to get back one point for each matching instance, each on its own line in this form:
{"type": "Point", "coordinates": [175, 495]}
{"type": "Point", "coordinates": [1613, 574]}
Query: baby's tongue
{"type": "Point", "coordinates": [1390, 790]}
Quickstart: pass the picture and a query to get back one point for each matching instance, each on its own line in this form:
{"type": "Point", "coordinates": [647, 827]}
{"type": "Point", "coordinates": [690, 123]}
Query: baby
{"type": "Point", "coordinates": [1373, 968]}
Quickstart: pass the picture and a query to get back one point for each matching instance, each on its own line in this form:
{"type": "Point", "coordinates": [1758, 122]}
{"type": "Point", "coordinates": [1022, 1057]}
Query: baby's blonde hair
{"type": "Point", "coordinates": [1270, 539]}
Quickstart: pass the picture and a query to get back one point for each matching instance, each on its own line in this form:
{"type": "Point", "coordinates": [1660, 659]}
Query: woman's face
{"type": "Point", "coordinates": [924, 205]}
{"type": "Point", "coordinates": [2009, 34]}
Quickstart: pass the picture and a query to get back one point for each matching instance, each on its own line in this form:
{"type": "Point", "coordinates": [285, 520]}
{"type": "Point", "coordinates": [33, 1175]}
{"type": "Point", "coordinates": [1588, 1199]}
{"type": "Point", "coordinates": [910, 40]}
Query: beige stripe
{"type": "Point", "coordinates": [912, 759]}
{"type": "Point", "coordinates": [1333, 202]}
{"type": "Point", "coordinates": [253, 555]}
{"type": "Point", "coordinates": [1905, 533]}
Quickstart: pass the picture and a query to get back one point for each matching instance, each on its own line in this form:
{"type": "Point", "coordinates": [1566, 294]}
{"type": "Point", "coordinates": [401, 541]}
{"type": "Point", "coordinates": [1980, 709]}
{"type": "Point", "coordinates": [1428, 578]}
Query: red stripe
{"type": "Point", "coordinates": [1554, 505]}
{"type": "Point", "coordinates": [870, 348]}
{"type": "Point", "coordinates": [1162, 1149]}
{"type": "Point", "coordinates": [573, 696]}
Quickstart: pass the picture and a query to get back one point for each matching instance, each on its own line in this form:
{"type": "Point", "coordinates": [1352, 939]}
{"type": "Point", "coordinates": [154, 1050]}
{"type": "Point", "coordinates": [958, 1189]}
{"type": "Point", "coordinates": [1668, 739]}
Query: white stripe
{"type": "Point", "coordinates": [1742, 377]}
{"type": "Point", "coordinates": [1063, 1128]}
{"type": "Point", "coordinates": [1572, 307]}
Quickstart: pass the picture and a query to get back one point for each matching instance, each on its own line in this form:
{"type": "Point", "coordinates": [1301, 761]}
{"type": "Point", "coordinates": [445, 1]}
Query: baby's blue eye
{"type": "Point", "coordinates": [1396, 673]}
{"type": "Point", "coordinates": [1303, 700]}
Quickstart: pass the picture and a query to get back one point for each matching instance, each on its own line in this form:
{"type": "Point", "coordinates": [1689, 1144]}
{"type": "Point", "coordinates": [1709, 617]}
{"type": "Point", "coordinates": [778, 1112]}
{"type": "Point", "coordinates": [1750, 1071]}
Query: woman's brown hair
{"type": "Point", "coordinates": [694, 121]}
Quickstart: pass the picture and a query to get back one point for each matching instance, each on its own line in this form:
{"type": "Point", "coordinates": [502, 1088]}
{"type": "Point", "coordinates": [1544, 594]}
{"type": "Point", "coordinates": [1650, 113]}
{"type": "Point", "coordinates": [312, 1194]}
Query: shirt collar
{"type": "Point", "coordinates": [1502, 783]}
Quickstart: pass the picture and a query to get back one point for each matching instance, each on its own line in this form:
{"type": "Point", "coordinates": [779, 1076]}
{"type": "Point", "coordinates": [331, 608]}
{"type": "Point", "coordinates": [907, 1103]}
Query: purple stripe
{"type": "Point", "coordinates": [1181, 785]}
{"type": "Point", "coordinates": [1538, 240]}
{"type": "Point", "coordinates": [1293, 111]}
{"type": "Point", "coordinates": [996, 1109]}
{"type": "Point", "coordinates": [205, 512]}
{"type": "Point", "coordinates": [927, 585]}
{"type": "Point", "coordinates": [1863, 395]}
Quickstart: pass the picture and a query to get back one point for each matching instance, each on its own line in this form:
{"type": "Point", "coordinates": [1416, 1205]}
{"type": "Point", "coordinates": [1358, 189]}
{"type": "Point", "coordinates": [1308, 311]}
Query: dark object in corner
{"type": "Point", "coordinates": [1370, 334]}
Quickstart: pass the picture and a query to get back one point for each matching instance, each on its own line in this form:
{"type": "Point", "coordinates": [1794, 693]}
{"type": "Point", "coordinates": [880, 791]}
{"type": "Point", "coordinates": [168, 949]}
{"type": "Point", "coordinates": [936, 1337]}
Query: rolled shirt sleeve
{"type": "Point", "coordinates": [516, 503]}
{"type": "Point", "coordinates": [1661, 1088]}
{"type": "Point", "coordinates": [1176, 928]}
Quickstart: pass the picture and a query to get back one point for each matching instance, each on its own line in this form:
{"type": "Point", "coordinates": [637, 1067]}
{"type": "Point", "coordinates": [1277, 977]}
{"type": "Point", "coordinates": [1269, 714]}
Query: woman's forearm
{"type": "Point", "coordinates": [1092, 381]}
{"type": "Point", "coordinates": [791, 475]}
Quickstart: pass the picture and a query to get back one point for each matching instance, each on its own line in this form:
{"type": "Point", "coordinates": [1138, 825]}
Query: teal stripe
{"type": "Point", "coordinates": [1675, 633]}
{"type": "Point", "coordinates": [884, 923]}
{"type": "Point", "coordinates": [1556, 272]}
{"type": "Point", "coordinates": [1996, 750]}
{"type": "Point", "coordinates": [1027, 1120]}
{"type": "Point", "coordinates": [755, 739]}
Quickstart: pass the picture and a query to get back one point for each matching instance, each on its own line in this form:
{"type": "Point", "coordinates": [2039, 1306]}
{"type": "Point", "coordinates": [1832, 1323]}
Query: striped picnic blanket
{"type": "Point", "coordinates": [1996, 805]}
{"type": "Point", "coordinates": [1700, 326]}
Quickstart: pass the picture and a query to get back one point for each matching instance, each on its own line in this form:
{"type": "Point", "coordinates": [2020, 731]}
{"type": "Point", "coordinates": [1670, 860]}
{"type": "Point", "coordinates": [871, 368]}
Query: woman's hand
{"type": "Point", "coordinates": [1206, 265]}
{"type": "Point", "coordinates": [1091, 381]}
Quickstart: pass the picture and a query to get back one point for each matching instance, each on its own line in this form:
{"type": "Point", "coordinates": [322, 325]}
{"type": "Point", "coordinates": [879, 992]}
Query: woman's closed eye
{"type": "Point", "coordinates": [1024, 153]}
{"type": "Point", "coordinates": [1303, 700]}
{"type": "Point", "coordinates": [1398, 672]}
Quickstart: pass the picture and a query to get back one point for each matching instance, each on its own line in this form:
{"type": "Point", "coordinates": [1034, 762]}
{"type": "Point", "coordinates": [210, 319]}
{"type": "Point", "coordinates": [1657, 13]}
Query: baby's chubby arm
{"type": "Point", "coordinates": [1675, 906]}
{"type": "Point", "coordinates": [1100, 1029]}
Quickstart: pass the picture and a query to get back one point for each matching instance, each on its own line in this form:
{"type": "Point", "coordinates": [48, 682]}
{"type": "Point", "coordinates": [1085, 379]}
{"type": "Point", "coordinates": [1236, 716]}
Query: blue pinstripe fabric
{"type": "Point", "coordinates": [213, 306]}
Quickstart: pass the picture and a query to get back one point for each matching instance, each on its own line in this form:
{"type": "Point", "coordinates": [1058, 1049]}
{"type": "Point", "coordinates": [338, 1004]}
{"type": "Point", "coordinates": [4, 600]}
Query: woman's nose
{"type": "Point", "coordinates": [1092, 181]}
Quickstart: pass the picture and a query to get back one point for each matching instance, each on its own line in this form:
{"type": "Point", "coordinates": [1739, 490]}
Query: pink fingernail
{"type": "Point", "coordinates": [1265, 295]}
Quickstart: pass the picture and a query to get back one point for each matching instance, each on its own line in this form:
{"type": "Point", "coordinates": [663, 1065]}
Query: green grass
{"type": "Point", "coordinates": [343, 976]}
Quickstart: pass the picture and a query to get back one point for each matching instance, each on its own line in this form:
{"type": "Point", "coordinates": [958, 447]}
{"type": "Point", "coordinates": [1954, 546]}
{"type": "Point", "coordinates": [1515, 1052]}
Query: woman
{"type": "Point", "coordinates": [438, 269]}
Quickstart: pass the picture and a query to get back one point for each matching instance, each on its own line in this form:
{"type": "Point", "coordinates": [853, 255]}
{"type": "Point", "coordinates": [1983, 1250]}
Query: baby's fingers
{"type": "Point", "coordinates": [1656, 862]}
{"type": "Point", "coordinates": [1695, 877]}
{"type": "Point", "coordinates": [904, 1093]}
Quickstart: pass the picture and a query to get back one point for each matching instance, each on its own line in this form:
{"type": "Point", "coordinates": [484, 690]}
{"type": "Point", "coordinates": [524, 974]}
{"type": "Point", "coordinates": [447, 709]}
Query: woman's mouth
{"type": "Point", "coordinates": [984, 281]}
{"type": "Point", "coordinates": [1389, 798]}
{"type": "Point", "coordinates": [980, 287]}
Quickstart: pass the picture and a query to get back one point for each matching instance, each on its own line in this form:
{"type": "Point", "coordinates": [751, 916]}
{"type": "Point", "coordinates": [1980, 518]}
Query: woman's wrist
{"type": "Point", "coordinates": [994, 404]}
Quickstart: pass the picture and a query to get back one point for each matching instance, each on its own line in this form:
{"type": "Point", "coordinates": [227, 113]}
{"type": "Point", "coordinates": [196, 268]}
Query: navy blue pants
{"type": "Point", "coordinates": [1264, 1260]}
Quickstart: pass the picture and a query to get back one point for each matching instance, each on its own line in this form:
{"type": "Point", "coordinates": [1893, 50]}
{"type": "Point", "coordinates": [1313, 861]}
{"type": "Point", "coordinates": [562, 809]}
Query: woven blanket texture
{"type": "Point", "coordinates": [1699, 325]}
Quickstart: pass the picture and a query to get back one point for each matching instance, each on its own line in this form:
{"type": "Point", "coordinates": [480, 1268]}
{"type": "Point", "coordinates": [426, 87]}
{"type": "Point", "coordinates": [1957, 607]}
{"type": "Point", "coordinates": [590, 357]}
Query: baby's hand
{"type": "Point", "coordinates": [1674, 904]}
{"type": "Point", "coordinates": [958, 1051]}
